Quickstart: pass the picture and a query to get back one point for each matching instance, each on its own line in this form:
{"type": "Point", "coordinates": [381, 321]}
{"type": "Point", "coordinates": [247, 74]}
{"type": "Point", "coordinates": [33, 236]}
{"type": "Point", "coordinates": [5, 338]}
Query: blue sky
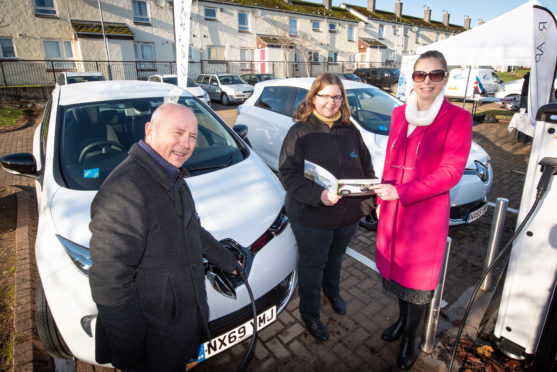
{"type": "Point", "coordinates": [458, 9]}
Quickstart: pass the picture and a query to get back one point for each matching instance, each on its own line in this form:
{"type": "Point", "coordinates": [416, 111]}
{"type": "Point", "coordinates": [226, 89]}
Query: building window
{"type": "Point", "coordinates": [315, 25]}
{"type": "Point", "coordinates": [446, 36]}
{"type": "Point", "coordinates": [350, 33]}
{"type": "Point", "coordinates": [7, 48]}
{"type": "Point", "coordinates": [140, 12]}
{"type": "Point", "coordinates": [243, 24]}
{"type": "Point", "coordinates": [380, 32]}
{"type": "Point", "coordinates": [332, 57]}
{"type": "Point", "coordinates": [45, 7]}
{"type": "Point", "coordinates": [58, 49]}
{"type": "Point", "coordinates": [293, 27]}
{"type": "Point", "coordinates": [210, 13]}
{"type": "Point", "coordinates": [395, 29]}
{"type": "Point", "coordinates": [215, 53]}
{"type": "Point", "coordinates": [246, 56]}
{"type": "Point", "coordinates": [405, 30]}
{"type": "Point", "coordinates": [332, 27]}
{"type": "Point", "coordinates": [418, 37]}
{"type": "Point", "coordinates": [144, 52]}
{"type": "Point", "coordinates": [437, 36]}
{"type": "Point", "coordinates": [314, 57]}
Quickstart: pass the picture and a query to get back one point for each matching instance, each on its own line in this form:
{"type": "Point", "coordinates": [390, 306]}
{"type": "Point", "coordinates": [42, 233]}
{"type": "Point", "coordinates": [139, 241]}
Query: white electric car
{"type": "Point", "coordinates": [268, 116]}
{"type": "Point", "coordinates": [85, 133]}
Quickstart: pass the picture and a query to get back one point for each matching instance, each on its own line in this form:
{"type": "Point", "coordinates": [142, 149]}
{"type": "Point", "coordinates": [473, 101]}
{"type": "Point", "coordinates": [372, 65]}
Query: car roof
{"type": "Point", "coordinates": [75, 73]}
{"type": "Point", "coordinates": [114, 90]}
{"type": "Point", "coordinates": [165, 75]}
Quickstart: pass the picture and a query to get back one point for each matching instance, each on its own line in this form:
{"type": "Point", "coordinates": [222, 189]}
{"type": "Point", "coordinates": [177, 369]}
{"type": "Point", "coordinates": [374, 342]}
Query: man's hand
{"type": "Point", "coordinates": [329, 199]}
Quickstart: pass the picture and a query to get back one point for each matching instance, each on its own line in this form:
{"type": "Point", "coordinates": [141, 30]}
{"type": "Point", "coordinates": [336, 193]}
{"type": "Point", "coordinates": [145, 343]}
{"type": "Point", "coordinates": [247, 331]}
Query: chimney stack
{"type": "Point", "coordinates": [481, 22]}
{"type": "Point", "coordinates": [327, 4]}
{"type": "Point", "coordinates": [371, 5]}
{"type": "Point", "coordinates": [427, 15]}
{"type": "Point", "coordinates": [398, 9]}
{"type": "Point", "coordinates": [467, 22]}
{"type": "Point", "coordinates": [446, 17]}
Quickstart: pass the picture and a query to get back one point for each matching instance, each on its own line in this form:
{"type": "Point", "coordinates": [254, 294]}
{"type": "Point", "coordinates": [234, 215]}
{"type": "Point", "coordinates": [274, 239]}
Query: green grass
{"type": "Point", "coordinates": [9, 117]}
{"type": "Point", "coordinates": [509, 76]}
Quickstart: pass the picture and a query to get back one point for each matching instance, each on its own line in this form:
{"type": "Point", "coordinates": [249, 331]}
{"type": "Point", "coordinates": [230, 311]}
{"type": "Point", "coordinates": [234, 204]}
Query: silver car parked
{"type": "Point", "coordinates": [226, 88]}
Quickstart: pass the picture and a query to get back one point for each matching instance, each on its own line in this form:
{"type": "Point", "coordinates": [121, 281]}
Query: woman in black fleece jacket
{"type": "Point", "coordinates": [323, 222]}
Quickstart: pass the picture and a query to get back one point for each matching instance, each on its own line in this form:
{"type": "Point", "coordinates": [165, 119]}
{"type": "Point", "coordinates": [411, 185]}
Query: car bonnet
{"type": "Point", "coordinates": [238, 202]}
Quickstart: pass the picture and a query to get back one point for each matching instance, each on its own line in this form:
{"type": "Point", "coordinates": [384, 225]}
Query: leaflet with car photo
{"type": "Point", "coordinates": [345, 187]}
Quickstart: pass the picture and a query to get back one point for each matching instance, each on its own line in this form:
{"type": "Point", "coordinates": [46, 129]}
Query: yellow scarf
{"type": "Point", "coordinates": [329, 121]}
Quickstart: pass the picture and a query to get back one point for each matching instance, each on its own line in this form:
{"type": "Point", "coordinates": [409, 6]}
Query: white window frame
{"type": "Point", "coordinates": [417, 37]}
{"type": "Point", "coordinates": [293, 27]}
{"type": "Point", "coordinates": [395, 30]}
{"type": "Point", "coordinates": [208, 16]}
{"type": "Point", "coordinates": [141, 18]}
{"type": "Point", "coordinates": [219, 52]}
{"type": "Point", "coordinates": [350, 32]}
{"type": "Point", "coordinates": [2, 54]}
{"type": "Point", "coordinates": [437, 36]}
{"type": "Point", "coordinates": [65, 52]}
{"type": "Point", "coordinates": [332, 57]}
{"type": "Point", "coordinates": [45, 10]}
{"type": "Point", "coordinates": [332, 27]}
{"type": "Point", "coordinates": [247, 57]}
{"type": "Point", "coordinates": [140, 56]}
{"type": "Point", "coordinates": [380, 31]}
{"type": "Point", "coordinates": [405, 31]}
{"type": "Point", "coordinates": [243, 27]}
{"type": "Point", "coordinates": [314, 24]}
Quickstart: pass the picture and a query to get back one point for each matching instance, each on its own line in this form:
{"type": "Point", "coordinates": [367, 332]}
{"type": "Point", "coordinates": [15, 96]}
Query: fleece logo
{"type": "Point", "coordinates": [541, 37]}
{"type": "Point", "coordinates": [353, 155]}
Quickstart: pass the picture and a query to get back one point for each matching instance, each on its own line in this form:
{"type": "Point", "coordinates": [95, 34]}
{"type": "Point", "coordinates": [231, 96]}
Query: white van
{"type": "Point", "coordinates": [484, 81]}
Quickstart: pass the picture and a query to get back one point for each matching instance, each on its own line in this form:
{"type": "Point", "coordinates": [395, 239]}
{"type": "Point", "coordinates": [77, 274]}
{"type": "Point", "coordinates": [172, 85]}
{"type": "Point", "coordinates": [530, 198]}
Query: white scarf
{"type": "Point", "coordinates": [418, 118]}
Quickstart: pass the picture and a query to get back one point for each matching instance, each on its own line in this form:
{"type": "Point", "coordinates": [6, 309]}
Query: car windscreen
{"type": "Point", "coordinates": [230, 79]}
{"type": "Point", "coordinates": [82, 79]}
{"type": "Point", "coordinates": [371, 108]}
{"type": "Point", "coordinates": [264, 77]}
{"type": "Point", "coordinates": [95, 137]}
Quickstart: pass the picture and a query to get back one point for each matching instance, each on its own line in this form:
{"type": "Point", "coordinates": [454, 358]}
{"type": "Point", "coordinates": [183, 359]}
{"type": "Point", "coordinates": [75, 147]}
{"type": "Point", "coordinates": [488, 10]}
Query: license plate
{"type": "Point", "coordinates": [235, 336]}
{"type": "Point", "coordinates": [473, 216]}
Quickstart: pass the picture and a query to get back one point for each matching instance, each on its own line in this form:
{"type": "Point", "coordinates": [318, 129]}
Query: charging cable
{"type": "Point", "coordinates": [549, 168]}
{"type": "Point", "coordinates": [251, 348]}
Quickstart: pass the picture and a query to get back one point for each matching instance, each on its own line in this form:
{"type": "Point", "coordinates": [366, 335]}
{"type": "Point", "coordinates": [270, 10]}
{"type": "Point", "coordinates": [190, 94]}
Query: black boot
{"type": "Point", "coordinates": [407, 353]}
{"type": "Point", "coordinates": [395, 331]}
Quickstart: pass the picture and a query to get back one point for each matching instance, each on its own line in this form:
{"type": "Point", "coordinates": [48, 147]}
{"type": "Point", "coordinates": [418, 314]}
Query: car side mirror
{"type": "Point", "coordinates": [241, 130]}
{"type": "Point", "coordinates": [23, 164]}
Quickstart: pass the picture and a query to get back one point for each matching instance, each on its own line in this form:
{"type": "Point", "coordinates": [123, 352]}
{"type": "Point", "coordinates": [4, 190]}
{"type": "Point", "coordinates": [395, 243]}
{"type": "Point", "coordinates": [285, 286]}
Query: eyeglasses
{"type": "Point", "coordinates": [435, 75]}
{"type": "Point", "coordinates": [328, 98]}
{"type": "Point", "coordinates": [415, 156]}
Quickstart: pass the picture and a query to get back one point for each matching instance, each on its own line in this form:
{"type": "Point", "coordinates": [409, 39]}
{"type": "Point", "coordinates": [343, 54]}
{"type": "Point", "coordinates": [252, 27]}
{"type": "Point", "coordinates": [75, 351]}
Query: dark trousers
{"type": "Point", "coordinates": [320, 254]}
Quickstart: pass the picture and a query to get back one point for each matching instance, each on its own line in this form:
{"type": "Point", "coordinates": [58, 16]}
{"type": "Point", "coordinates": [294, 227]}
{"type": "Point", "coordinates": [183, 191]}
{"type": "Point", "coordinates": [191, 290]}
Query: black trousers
{"type": "Point", "coordinates": [320, 254]}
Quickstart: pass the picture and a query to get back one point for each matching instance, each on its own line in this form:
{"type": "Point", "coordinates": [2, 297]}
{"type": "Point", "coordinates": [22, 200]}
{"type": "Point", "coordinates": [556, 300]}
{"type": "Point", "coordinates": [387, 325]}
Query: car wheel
{"type": "Point", "coordinates": [224, 99]}
{"type": "Point", "coordinates": [48, 331]}
{"type": "Point", "coordinates": [369, 222]}
{"type": "Point", "coordinates": [511, 105]}
{"type": "Point", "coordinates": [394, 88]}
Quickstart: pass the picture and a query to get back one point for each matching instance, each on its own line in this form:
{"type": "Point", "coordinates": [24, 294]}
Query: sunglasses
{"type": "Point", "coordinates": [435, 75]}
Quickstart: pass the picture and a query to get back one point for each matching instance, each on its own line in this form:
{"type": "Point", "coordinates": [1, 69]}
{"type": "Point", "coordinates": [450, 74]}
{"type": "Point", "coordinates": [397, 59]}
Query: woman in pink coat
{"type": "Point", "coordinates": [429, 143]}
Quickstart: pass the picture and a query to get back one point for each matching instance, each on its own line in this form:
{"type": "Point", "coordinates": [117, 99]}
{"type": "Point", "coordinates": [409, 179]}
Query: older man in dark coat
{"type": "Point", "coordinates": [147, 243]}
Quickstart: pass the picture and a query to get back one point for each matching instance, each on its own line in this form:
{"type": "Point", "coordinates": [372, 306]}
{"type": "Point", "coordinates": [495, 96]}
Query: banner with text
{"type": "Point", "coordinates": [182, 24]}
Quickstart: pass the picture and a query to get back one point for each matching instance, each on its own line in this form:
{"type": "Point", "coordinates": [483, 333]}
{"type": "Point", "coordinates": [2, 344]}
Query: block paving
{"type": "Point", "coordinates": [354, 342]}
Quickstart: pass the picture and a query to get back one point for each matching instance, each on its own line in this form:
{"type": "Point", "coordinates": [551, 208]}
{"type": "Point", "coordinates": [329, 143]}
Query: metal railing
{"type": "Point", "coordinates": [17, 72]}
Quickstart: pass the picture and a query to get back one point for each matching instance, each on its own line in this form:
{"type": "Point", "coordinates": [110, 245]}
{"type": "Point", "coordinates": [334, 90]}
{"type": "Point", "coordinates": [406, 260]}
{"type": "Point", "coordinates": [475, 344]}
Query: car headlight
{"type": "Point", "coordinates": [80, 255]}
